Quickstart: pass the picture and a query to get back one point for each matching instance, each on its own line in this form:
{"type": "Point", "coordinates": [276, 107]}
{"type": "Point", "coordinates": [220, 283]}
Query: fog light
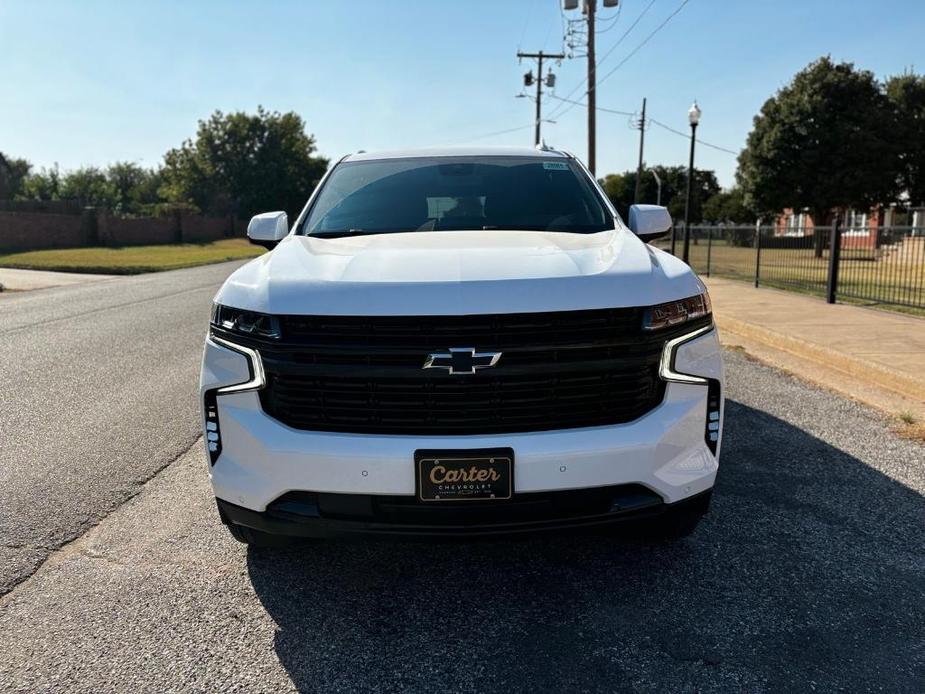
{"type": "Point", "coordinates": [711, 435]}
{"type": "Point", "coordinates": [213, 433]}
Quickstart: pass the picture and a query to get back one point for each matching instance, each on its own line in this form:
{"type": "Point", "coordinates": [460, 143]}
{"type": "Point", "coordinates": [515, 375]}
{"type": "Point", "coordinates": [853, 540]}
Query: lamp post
{"type": "Point", "coordinates": [693, 115]}
{"type": "Point", "coordinates": [658, 183]}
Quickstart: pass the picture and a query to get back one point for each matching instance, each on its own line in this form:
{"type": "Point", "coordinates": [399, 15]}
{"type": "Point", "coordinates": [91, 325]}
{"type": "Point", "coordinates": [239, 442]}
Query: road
{"type": "Point", "coordinates": [809, 572]}
{"type": "Point", "coordinates": [98, 395]}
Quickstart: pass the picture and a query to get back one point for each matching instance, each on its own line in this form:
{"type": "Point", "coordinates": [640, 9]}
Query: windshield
{"type": "Point", "coordinates": [455, 193]}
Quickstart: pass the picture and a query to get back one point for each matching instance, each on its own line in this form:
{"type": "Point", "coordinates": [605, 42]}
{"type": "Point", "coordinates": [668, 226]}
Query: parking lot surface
{"type": "Point", "coordinates": [808, 574]}
{"type": "Point", "coordinates": [98, 394]}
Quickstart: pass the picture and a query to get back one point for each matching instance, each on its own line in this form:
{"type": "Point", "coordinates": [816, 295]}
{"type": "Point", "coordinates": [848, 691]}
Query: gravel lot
{"type": "Point", "coordinates": [809, 574]}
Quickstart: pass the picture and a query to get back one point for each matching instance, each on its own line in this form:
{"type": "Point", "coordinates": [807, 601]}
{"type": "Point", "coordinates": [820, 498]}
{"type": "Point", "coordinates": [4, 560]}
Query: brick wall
{"type": "Point", "coordinates": [126, 231]}
{"type": "Point", "coordinates": [197, 228]}
{"type": "Point", "coordinates": [36, 230]}
{"type": "Point", "coordinates": [21, 231]}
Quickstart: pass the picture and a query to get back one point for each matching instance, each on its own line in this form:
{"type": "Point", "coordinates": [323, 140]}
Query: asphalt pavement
{"type": "Point", "coordinates": [808, 575]}
{"type": "Point", "coordinates": [98, 393]}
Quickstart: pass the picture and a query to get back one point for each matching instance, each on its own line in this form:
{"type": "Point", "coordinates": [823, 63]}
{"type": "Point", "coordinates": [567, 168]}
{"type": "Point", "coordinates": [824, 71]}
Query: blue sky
{"type": "Point", "coordinates": [94, 82]}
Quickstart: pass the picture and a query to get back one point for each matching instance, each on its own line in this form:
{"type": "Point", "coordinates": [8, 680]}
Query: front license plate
{"type": "Point", "coordinates": [465, 475]}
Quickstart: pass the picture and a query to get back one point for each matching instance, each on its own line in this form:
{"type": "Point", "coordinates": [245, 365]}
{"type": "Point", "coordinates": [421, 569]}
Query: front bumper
{"type": "Point", "coordinates": [625, 505]}
{"type": "Point", "coordinates": [261, 459]}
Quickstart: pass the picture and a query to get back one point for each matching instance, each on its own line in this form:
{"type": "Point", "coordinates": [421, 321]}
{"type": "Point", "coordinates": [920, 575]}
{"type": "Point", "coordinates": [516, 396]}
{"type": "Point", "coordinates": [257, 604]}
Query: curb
{"type": "Point", "coordinates": [865, 371]}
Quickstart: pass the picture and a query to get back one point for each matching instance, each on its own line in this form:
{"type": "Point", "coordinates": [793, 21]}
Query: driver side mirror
{"type": "Point", "coordinates": [268, 229]}
{"type": "Point", "coordinates": [649, 222]}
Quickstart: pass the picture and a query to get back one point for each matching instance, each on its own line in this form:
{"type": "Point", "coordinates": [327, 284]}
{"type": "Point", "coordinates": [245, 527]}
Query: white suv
{"type": "Point", "coordinates": [453, 342]}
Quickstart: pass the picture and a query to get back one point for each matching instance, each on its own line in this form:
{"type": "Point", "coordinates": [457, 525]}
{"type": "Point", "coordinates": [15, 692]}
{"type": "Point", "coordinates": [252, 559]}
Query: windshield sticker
{"type": "Point", "coordinates": [555, 166]}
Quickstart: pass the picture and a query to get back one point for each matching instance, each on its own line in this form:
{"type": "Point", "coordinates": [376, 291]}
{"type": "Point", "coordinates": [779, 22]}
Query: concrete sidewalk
{"type": "Point", "coordinates": [24, 280]}
{"type": "Point", "coordinates": [873, 355]}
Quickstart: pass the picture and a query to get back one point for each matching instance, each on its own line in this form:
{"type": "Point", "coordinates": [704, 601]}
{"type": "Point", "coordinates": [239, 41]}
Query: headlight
{"type": "Point", "coordinates": [245, 322]}
{"type": "Point", "coordinates": [675, 312]}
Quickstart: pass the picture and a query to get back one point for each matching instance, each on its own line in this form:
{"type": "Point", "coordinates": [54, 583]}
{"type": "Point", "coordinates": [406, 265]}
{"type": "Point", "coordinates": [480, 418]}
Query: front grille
{"type": "Point", "coordinates": [557, 371]}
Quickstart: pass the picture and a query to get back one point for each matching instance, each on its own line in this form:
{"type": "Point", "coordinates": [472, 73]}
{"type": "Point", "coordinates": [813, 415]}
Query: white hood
{"type": "Point", "coordinates": [458, 272]}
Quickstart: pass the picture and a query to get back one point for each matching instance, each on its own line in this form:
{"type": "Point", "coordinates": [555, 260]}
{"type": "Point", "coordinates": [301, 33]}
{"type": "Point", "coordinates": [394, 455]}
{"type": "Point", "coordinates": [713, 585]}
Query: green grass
{"type": "Point", "coordinates": [131, 260]}
{"type": "Point", "coordinates": [797, 269]}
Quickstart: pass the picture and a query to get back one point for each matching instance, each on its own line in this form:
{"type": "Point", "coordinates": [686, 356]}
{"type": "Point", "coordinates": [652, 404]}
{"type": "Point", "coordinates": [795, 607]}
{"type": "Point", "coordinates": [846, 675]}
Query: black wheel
{"type": "Point", "coordinates": [256, 538]}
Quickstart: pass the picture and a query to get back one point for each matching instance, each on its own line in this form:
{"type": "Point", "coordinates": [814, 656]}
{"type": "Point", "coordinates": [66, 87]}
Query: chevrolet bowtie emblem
{"type": "Point", "coordinates": [461, 360]}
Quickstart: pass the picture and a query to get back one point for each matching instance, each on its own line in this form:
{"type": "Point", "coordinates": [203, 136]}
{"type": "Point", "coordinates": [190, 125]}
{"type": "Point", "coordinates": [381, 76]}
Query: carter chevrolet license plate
{"type": "Point", "coordinates": [464, 475]}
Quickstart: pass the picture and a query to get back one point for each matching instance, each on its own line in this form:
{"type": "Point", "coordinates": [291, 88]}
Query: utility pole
{"type": "Point", "coordinates": [642, 142]}
{"type": "Point", "coordinates": [550, 79]}
{"type": "Point", "coordinates": [591, 8]}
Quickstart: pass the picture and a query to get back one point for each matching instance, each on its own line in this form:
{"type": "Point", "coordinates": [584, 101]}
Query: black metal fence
{"type": "Point", "coordinates": [880, 265]}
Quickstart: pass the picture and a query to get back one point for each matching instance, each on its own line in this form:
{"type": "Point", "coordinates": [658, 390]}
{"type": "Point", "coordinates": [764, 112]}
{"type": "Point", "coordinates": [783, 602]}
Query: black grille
{"type": "Point", "coordinates": [557, 371]}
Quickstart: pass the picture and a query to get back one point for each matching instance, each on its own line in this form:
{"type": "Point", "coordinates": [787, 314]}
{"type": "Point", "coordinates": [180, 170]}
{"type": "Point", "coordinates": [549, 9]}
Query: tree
{"type": "Point", "coordinates": [13, 172]}
{"type": "Point", "coordinates": [824, 141]}
{"type": "Point", "coordinates": [621, 189]}
{"type": "Point", "coordinates": [907, 95]}
{"type": "Point", "coordinates": [134, 186]}
{"type": "Point", "coordinates": [42, 185]}
{"type": "Point", "coordinates": [244, 164]}
{"type": "Point", "coordinates": [728, 206]}
{"type": "Point", "coordinates": [89, 186]}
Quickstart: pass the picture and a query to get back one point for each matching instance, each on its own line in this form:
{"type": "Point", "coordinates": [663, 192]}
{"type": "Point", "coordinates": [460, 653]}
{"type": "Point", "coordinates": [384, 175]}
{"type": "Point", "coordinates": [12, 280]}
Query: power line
{"type": "Point", "coordinates": [599, 108]}
{"type": "Point", "coordinates": [611, 21]}
{"type": "Point", "coordinates": [686, 135]}
{"type": "Point", "coordinates": [645, 41]}
{"type": "Point", "coordinates": [649, 119]}
{"type": "Point", "coordinates": [523, 32]}
{"type": "Point", "coordinates": [610, 50]}
{"type": "Point", "coordinates": [531, 124]}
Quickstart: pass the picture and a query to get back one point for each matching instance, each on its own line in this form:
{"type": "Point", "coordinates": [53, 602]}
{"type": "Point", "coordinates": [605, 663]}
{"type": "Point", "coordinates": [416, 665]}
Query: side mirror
{"type": "Point", "coordinates": [268, 229]}
{"type": "Point", "coordinates": [649, 222]}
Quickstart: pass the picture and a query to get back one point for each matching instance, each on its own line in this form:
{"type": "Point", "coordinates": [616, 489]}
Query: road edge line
{"type": "Point", "coordinates": [53, 554]}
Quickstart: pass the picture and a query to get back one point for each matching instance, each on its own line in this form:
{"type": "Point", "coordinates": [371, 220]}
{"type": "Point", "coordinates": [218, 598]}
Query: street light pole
{"type": "Point", "coordinates": [658, 183]}
{"type": "Point", "coordinates": [693, 115]}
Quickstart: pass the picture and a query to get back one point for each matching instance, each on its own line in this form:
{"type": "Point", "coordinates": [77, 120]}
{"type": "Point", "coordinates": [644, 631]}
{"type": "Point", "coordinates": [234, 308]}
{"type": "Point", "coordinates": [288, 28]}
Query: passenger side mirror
{"type": "Point", "coordinates": [268, 229]}
{"type": "Point", "coordinates": [649, 222]}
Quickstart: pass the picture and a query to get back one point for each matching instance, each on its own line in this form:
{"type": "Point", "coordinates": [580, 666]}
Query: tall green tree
{"type": "Point", "coordinates": [728, 206]}
{"type": "Point", "coordinates": [245, 163]}
{"type": "Point", "coordinates": [621, 189]}
{"type": "Point", "coordinates": [13, 173]}
{"type": "Point", "coordinates": [907, 95]}
{"type": "Point", "coordinates": [824, 141]}
{"type": "Point", "coordinates": [134, 187]}
{"type": "Point", "coordinates": [89, 186]}
{"type": "Point", "coordinates": [44, 184]}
